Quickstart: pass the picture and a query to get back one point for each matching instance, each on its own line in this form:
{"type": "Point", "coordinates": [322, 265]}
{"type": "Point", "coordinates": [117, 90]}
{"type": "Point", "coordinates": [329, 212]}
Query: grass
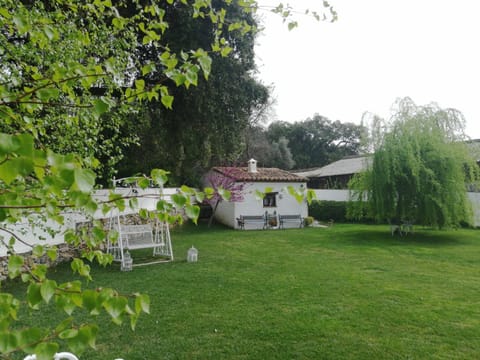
{"type": "Point", "coordinates": [346, 292]}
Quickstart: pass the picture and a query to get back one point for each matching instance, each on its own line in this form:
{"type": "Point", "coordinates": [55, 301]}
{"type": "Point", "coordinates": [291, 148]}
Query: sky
{"type": "Point", "coordinates": [375, 53]}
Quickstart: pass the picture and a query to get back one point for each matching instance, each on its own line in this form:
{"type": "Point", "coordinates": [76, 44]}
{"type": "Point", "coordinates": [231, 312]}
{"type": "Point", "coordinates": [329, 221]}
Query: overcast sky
{"type": "Point", "coordinates": [377, 51]}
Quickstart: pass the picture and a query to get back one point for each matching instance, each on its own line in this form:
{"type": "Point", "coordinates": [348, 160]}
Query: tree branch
{"type": "Point", "coordinates": [17, 238]}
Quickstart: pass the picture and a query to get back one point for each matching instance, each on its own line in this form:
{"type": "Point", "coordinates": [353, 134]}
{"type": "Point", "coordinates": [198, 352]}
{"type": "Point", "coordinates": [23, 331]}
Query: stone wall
{"type": "Point", "coordinates": [65, 253]}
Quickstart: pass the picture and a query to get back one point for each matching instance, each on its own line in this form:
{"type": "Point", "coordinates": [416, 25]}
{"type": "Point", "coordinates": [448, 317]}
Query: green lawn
{"type": "Point", "coordinates": [346, 292]}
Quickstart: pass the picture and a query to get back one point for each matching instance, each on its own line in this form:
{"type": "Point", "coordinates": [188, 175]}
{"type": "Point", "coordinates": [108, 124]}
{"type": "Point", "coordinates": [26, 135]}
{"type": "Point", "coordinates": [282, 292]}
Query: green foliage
{"type": "Point", "coordinates": [201, 134]}
{"type": "Point", "coordinates": [328, 210]}
{"type": "Point", "coordinates": [420, 169]}
{"type": "Point", "coordinates": [64, 184]}
{"type": "Point", "coordinates": [317, 141]}
{"type": "Point", "coordinates": [70, 78]}
{"type": "Point", "coordinates": [426, 285]}
{"type": "Point", "coordinates": [308, 221]}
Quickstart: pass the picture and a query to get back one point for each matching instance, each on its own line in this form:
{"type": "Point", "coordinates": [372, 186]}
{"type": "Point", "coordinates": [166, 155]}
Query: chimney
{"type": "Point", "coordinates": [252, 166]}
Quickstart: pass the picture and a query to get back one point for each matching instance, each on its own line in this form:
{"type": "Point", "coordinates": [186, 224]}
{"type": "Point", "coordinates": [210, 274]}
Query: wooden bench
{"type": "Point", "coordinates": [251, 219]}
{"type": "Point", "coordinates": [296, 219]}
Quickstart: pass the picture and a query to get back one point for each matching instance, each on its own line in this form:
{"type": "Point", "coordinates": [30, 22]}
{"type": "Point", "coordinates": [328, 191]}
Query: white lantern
{"type": "Point", "coordinates": [127, 263]}
{"type": "Point", "coordinates": [192, 255]}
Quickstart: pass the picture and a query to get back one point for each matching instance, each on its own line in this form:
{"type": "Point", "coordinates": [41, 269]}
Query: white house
{"type": "Point", "coordinates": [277, 202]}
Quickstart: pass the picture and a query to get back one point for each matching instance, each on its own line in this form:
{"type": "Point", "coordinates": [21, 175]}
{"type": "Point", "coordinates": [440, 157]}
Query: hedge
{"type": "Point", "coordinates": [324, 210]}
{"type": "Point", "coordinates": [328, 210]}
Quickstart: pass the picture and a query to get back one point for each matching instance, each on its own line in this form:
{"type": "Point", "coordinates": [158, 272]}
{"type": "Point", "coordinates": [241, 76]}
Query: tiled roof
{"type": "Point", "coordinates": [262, 174]}
{"type": "Point", "coordinates": [345, 166]}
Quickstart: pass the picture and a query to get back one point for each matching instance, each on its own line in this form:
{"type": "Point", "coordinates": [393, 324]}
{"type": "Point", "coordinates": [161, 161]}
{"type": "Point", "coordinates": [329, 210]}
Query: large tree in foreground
{"type": "Point", "coordinates": [420, 169]}
{"type": "Point", "coordinates": [64, 66]}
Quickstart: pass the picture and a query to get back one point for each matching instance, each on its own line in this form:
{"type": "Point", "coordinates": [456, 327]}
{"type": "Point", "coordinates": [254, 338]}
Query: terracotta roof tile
{"type": "Point", "coordinates": [262, 174]}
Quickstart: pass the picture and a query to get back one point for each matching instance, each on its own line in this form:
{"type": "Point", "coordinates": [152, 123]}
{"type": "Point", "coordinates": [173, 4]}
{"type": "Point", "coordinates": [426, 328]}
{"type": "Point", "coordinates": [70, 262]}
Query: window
{"type": "Point", "coordinates": [270, 199]}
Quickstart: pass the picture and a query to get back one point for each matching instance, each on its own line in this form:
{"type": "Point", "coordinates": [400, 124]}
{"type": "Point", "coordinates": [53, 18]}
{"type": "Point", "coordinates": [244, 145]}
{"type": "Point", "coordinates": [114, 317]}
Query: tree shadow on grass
{"type": "Point", "coordinates": [421, 237]}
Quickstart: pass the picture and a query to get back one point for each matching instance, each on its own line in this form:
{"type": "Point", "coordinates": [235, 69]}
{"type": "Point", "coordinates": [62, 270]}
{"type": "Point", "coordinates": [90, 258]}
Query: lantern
{"type": "Point", "coordinates": [192, 255]}
{"type": "Point", "coordinates": [127, 263]}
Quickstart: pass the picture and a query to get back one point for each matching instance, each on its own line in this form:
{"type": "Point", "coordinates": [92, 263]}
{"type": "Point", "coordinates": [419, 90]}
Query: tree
{"type": "Point", "coordinates": [420, 169]}
{"type": "Point", "coordinates": [281, 156]}
{"type": "Point", "coordinates": [65, 66]}
{"type": "Point", "coordinates": [318, 141]}
{"type": "Point", "coordinates": [207, 121]}
{"type": "Point", "coordinates": [268, 154]}
{"type": "Point", "coordinates": [223, 187]}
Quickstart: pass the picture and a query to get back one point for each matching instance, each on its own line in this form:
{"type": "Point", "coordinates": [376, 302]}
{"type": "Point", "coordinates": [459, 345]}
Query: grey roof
{"type": "Point", "coordinates": [346, 166]}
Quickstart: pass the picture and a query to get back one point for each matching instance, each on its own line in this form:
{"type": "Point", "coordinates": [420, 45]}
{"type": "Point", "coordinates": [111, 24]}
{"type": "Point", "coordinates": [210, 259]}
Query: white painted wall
{"type": "Point", "coordinates": [475, 200]}
{"type": "Point", "coordinates": [332, 195]}
{"type": "Point", "coordinates": [227, 212]}
{"type": "Point", "coordinates": [30, 231]}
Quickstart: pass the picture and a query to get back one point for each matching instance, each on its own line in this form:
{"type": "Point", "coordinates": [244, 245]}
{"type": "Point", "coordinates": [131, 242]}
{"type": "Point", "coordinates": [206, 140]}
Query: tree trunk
{"type": "Point", "coordinates": [210, 221]}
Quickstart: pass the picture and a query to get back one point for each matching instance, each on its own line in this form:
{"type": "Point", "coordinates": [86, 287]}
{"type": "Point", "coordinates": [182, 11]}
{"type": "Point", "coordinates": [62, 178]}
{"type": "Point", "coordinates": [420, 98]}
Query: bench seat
{"type": "Point", "coordinates": [251, 219]}
{"type": "Point", "coordinates": [295, 219]}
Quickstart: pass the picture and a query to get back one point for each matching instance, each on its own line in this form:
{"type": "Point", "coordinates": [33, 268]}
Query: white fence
{"type": "Point", "coordinates": [32, 231]}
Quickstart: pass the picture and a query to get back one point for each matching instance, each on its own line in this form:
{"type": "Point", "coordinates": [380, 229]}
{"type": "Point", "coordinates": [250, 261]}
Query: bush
{"type": "Point", "coordinates": [328, 210]}
{"type": "Point", "coordinates": [308, 221]}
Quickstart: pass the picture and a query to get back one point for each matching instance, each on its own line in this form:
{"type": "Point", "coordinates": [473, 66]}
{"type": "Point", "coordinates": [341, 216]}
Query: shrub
{"type": "Point", "coordinates": [308, 221]}
{"type": "Point", "coordinates": [328, 210]}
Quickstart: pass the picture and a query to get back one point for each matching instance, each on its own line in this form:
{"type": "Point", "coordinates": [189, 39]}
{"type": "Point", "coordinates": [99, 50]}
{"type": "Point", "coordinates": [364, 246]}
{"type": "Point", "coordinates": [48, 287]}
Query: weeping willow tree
{"type": "Point", "coordinates": [419, 170]}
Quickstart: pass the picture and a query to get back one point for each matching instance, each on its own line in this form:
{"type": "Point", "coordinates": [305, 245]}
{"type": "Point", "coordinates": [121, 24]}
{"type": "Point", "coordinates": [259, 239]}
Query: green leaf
{"type": "Point", "coordinates": [28, 338]}
{"type": "Point", "coordinates": [115, 307]}
{"type": "Point", "coordinates": [142, 303]}
{"type": "Point", "coordinates": [14, 168]}
{"type": "Point", "coordinates": [167, 101]}
{"type": "Point", "coordinates": [68, 334]}
{"type": "Point", "coordinates": [159, 176]}
{"type": "Point", "coordinates": [100, 106]}
{"type": "Point", "coordinates": [192, 211]}
{"type": "Point", "coordinates": [209, 192]}
{"type": "Point", "coordinates": [8, 342]}
{"type": "Point", "coordinates": [52, 253]}
{"type": "Point", "coordinates": [192, 75]}
{"type": "Point", "coordinates": [140, 84]}
{"type": "Point", "coordinates": [21, 22]}
{"type": "Point", "coordinates": [179, 200]}
{"type": "Point", "coordinates": [199, 196]}
{"type": "Point", "coordinates": [86, 336]}
{"type": "Point", "coordinates": [34, 295]}
{"type": "Point", "coordinates": [65, 324]}
{"type": "Point", "coordinates": [143, 183]}
{"type": "Point", "coordinates": [15, 264]}
{"type": "Point", "coordinates": [92, 302]}
{"type": "Point", "coordinates": [224, 194]}
{"type": "Point", "coordinates": [47, 94]}
{"type": "Point", "coordinates": [47, 290]}
{"type": "Point", "coordinates": [38, 250]}
{"type": "Point", "coordinates": [84, 179]}
{"type": "Point", "coordinates": [7, 144]}
{"type": "Point", "coordinates": [225, 51]}
{"type": "Point", "coordinates": [46, 351]}
{"type": "Point", "coordinates": [311, 195]}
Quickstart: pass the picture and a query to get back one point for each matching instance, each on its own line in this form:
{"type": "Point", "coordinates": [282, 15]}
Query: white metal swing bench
{"type": "Point", "coordinates": [154, 236]}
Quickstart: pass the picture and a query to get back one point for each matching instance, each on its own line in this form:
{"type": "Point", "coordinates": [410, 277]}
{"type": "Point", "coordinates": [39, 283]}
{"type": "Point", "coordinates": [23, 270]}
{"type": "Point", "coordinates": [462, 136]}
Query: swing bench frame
{"type": "Point", "coordinates": [155, 236]}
